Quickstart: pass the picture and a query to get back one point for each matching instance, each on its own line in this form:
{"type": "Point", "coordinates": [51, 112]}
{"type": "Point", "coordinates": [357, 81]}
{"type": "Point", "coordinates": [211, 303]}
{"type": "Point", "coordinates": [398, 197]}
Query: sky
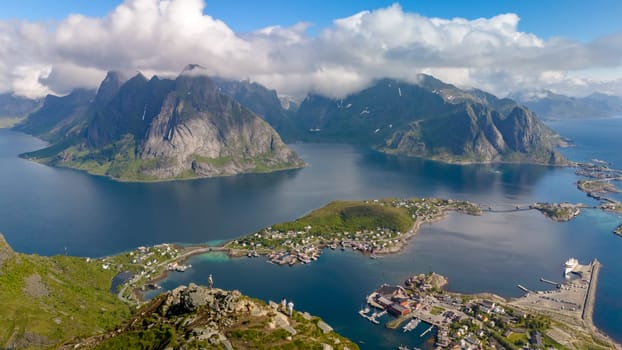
{"type": "Point", "coordinates": [332, 48]}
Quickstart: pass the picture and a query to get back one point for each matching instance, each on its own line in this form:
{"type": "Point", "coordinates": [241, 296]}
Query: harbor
{"type": "Point", "coordinates": [539, 318]}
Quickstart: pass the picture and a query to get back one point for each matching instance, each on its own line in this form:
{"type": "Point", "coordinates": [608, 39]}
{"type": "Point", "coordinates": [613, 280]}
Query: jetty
{"type": "Point", "coordinates": [542, 279]}
{"type": "Point", "coordinates": [590, 296]}
{"type": "Point", "coordinates": [524, 289]}
{"type": "Point", "coordinates": [427, 331]}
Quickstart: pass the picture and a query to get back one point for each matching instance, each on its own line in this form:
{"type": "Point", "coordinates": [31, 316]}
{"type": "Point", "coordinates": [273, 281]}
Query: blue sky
{"type": "Point", "coordinates": [571, 47]}
{"type": "Point", "coordinates": [577, 19]}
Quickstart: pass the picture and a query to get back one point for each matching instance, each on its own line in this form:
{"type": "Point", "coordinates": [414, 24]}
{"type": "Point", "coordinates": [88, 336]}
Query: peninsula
{"type": "Point", "coordinates": [371, 227]}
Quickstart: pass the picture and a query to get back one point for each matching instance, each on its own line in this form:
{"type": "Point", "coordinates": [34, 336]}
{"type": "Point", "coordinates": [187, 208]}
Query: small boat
{"type": "Point", "coordinates": [412, 324]}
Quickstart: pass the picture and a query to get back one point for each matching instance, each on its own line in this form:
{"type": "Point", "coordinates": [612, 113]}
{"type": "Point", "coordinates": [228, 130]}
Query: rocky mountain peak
{"type": "Point", "coordinates": [194, 70]}
{"type": "Point", "coordinates": [109, 86]}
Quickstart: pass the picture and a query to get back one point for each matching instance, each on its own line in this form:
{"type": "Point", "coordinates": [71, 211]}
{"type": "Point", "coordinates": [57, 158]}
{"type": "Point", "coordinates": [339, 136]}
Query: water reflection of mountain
{"type": "Point", "coordinates": [477, 179]}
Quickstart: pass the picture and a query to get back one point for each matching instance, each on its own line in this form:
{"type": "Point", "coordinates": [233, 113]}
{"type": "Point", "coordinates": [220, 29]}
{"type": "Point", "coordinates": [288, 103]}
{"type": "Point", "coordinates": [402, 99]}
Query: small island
{"type": "Point", "coordinates": [371, 227]}
{"type": "Point", "coordinates": [559, 212]}
{"type": "Point", "coordinates": [560, 318]}
{"type": "Point", "coordinates": [597, 189]}
{"type": "Point", "coordinates": [598, 169]}
{"type": "Point", "coordinates": [601, 186]}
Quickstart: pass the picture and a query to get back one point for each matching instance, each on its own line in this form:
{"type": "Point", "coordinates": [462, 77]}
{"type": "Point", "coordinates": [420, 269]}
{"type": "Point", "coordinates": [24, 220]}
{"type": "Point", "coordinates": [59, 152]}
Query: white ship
{"type": "Point", "coordinates": [569, 265]}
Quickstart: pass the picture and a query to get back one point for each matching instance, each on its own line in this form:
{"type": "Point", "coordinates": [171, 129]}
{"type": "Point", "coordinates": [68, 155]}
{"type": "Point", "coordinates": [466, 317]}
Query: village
{"type": "Point", "coordinates": [458, 321]}
{"type": "Point", "coordinates": [140, 268]}
{"type": "Point", "coordinates": [305, 245]}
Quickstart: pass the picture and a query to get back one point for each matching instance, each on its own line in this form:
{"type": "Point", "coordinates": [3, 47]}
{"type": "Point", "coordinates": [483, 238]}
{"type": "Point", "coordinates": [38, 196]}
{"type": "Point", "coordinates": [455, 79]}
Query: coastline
{"type": "Point", "coordinates": [125, 180]}
{"type": "Point", "coordinates": [412, 233]}
{"type": "Point", "coordinates": [233, 253]}
{"type": "Point", "coordinates": [566, 164]}
{"type": "Point", "coordinates": [423, 297]}
{"type": "Point", "coordinates": [190, 252]}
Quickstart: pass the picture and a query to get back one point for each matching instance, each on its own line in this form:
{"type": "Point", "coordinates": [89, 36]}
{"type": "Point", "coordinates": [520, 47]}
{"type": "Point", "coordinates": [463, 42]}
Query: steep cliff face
{"type": "Point", "coordinates": [432, 120]}
{"type": "Point", "coordinates": [164, 129]}
{"type": "Point", "coordinates": [208, 133]}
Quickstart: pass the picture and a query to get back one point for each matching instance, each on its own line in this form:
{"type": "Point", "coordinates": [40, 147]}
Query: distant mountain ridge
{"type": "Point", "coordinates": [549, 105]}
{"type": "Point", "coordinates": [58, 116]}
{"type": "Point", "coordinates": [160, 129]}
{"type": "Point", "coordinates": [12, 105]}
{"type": "Point", "coordinates": [195, 126]}
{"type": "Point", "coordinates": [430, 119]}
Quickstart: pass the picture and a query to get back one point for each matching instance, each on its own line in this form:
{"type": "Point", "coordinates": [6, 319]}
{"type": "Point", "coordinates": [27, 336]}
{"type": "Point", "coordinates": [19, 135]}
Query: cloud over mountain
{"type": "Point", "coordinates": [161, 36]}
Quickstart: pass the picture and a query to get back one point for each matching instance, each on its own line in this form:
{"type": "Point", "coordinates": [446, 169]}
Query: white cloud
{"type": "Point", "coordinates": [162, 36]}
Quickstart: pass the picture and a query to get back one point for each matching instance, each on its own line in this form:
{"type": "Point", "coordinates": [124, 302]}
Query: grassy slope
{"type": "Point", "coordinates": [9, 122]}
{"type": "Point", "coordinates": [73, 299]}
{"type": "Point", "coordinates": [341, 216]}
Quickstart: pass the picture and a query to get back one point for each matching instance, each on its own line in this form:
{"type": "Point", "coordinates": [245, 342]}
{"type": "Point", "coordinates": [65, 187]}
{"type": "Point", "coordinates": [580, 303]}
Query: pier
{"type": "Point", "coordinates": [523, 289]}
{"type": "Point", "coordinates": [426, 331]}
{"type": "Point", "coordinates": [572, 301]}
{"type": "Point", "coordinates": [590, 296]}
{"type": "Point", "coordinates": [542, 279]}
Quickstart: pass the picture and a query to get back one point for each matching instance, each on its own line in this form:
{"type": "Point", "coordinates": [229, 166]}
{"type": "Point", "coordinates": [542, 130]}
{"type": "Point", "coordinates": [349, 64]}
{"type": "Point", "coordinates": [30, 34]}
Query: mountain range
{"type": "Point", "coordinates": [156, 129]}
{"type": "Point", "coordinates": [431, 119]}
{"type": "Point", "coordinates": [198, 126]}
{"type": "Point", "coordinates": [552, 106]}
{"type": "Point", "coordinates": [14, 108]}
{"type": "Point", "coordinates": [12, 105]}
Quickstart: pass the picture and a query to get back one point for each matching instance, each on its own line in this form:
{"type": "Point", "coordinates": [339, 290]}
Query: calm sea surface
{"type": "Point", "coordinates": [55, 211]}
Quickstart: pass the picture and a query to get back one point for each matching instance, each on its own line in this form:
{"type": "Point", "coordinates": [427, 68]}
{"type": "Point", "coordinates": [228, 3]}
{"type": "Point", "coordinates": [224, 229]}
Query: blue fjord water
{"type": "Point", "coordinates": [51, 211]}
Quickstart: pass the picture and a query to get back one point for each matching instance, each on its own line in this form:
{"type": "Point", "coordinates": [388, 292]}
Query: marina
{"type": "Point", "coordinates": [412, 324]}
{"type": "Point", "coordinates": [480, 320]}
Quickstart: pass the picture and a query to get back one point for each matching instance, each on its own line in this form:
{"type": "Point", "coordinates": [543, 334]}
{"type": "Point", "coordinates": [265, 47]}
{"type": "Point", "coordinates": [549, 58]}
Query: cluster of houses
{"type": "Point", "coordinates": [294, 247]}
{"type": "Point", "coordinates": [393, 299]}
{"type": "Point", "coordinates": [427, 209]}
{"type": "Point", "coordinates": [303, 246]}
{"type": "Point", "coordinates": [461, 324]}
{"type": "Point", "coordinates": [143, 260]}
{"type": "Point", "coordinates": [303, 255]}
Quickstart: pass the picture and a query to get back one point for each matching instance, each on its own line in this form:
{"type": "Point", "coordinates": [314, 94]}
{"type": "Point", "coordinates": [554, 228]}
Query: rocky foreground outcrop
{"type": "Point", "coordinates": [199, 317]}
